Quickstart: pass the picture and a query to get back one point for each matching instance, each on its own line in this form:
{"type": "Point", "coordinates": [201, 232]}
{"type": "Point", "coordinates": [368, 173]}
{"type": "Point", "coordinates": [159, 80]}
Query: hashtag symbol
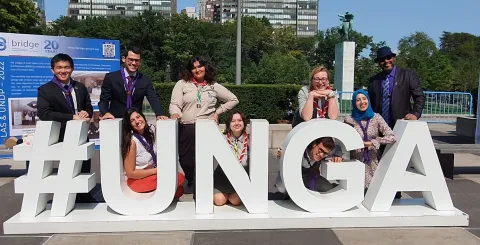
{"type": "Point", "coordinates": [40, 182]}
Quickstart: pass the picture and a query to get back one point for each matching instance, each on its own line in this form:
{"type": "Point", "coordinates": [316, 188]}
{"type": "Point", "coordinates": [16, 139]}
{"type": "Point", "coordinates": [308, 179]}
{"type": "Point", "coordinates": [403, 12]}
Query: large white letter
{"type": "Point", "coordinates": [350, 173]}
{"type": "Point", "coordinates": [210, 143]}
{"type": "Point", "coordinates": [40, 181]}
{"type": "Point", "coordinates": [414, 144]}
{"type": "Point", "coordinates": [117, 194]}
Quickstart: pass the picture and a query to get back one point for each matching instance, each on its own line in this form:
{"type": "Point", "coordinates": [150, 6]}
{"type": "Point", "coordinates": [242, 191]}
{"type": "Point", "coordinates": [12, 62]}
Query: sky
{"type": "Point", "coordinates": [384, 20]}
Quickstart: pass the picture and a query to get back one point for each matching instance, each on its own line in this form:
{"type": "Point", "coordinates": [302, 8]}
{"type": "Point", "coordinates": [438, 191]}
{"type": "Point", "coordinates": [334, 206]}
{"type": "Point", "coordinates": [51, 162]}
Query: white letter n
{"type": "Point", "coordinates": [210, 143]}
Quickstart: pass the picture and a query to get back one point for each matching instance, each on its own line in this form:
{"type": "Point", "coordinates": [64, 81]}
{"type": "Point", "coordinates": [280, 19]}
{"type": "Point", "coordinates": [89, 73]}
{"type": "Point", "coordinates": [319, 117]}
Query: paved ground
{"type": "Point", "coordinates": [465, 191]}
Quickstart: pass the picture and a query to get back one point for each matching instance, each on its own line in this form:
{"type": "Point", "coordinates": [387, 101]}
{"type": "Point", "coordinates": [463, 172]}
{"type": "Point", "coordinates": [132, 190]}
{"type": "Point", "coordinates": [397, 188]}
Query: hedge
{"type": "Point", "coordinates": [257, 101]}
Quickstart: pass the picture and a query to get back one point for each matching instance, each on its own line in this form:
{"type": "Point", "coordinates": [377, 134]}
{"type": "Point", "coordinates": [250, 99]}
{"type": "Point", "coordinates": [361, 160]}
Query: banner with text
{"type": "Point", "coordinates": [25, 65]}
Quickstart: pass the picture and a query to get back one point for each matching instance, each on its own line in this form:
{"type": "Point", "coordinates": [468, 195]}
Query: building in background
{"type": "Point", "coordinates": [201, 11]}
{"type": "Point", "coordinates": [213, 11]}
{"type": "Point", "coordinates": [301, 15]}
{"type": "Point", "coordinates": [41, 5]}
{"type": "Point", "coordinates": [82, 9]}
{"type": "Point", "coordinates": [190, 12]}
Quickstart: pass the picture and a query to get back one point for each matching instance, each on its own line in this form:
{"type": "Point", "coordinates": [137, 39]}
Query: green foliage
{"type": "Point", "coordinates": [325, 50]}
{"type": "Point", "coordinates": [269, 56]}
{"type": "Point", "coordinates": [463, 51]}
{"type": "Point", "coordinates": [19, 16]}
{"type": "Point", "coordinates": [256, 101]}
{"type": "Point", "coordinates": [419, 53]}
{"type": "Point", "coordinates": [291, 68]}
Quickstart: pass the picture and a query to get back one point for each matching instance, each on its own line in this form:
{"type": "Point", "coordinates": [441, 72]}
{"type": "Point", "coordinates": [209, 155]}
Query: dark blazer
{"type": "Point", "coordinates": [113, 98]}
{"type": "Point", "coordinates": [52, 105]}
{"type": "Point", "coordinates": [407, 84]}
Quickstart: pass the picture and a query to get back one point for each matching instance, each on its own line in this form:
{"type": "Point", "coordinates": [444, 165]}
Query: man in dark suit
{"type": "Point", "coordinates": [390, 90]}
{"type": "Point", "coordinates": [127, 88]}
{"type": "Point", "coordinates": [64, 99]}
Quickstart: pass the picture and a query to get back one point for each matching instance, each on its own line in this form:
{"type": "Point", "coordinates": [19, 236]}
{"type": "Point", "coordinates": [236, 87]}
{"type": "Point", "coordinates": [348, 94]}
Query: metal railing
{"type": "Point", "coordinates": [440, 107]}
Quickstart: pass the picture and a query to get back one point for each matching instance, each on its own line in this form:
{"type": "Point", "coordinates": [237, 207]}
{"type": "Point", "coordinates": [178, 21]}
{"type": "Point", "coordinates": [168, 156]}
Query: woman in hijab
{"type": "Point", "coordinates": [372, 128]}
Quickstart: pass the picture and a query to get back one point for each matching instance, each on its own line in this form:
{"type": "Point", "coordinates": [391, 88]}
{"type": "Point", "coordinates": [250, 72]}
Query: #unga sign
{"type": "Point", "coordinates": [411, 164]}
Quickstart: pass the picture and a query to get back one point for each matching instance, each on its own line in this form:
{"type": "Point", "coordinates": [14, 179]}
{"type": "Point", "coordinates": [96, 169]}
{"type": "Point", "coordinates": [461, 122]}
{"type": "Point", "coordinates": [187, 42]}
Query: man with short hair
{"type": "Point", "coordinates": [127, 88]}
{"type": "Point", "coordinates": [315, 154]}
{"type": "Point", "coordinates": [64, 99]}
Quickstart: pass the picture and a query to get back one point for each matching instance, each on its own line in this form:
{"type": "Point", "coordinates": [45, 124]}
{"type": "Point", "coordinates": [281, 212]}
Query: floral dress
{"type": "Point", "coordinates": [379, 133]}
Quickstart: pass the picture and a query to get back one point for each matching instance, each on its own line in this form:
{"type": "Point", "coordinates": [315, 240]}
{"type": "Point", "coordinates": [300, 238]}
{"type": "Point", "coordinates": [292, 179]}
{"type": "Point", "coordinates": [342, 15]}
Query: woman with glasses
{"type": "Point", "coordinates": [317, 100]}
{"type": "Point", "coordinates": [195, 97]}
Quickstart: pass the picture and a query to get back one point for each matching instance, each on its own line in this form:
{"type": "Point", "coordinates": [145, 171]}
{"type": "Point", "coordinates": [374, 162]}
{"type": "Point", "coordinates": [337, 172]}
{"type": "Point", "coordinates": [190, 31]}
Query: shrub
{"type": "Point", "coordinates": [257, 101]}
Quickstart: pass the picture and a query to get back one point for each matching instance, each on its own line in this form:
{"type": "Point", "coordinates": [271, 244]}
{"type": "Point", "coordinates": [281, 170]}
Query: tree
{"type": "Point", "coordinates": [419, 53]}
{"type": "Point", "coordinates": [326, 41]}
{"type": "Point", "coordinates": [278, 68]}
{"type": "Point", "coordinates": [19, 16]}
{"type": "Point", "coordinates": [366, 67]}
{"type": "Point", "coordinates": [463, 51]}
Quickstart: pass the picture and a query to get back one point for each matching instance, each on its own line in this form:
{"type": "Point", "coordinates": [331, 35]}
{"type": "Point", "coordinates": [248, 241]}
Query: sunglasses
{"type": "Point", "coordinates": [389, 57]}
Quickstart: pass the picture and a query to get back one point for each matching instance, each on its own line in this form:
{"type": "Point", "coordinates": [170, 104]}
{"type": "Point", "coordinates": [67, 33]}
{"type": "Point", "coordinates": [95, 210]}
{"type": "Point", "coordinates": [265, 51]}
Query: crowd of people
{"type": "Point", "coordinates": [195, 96]}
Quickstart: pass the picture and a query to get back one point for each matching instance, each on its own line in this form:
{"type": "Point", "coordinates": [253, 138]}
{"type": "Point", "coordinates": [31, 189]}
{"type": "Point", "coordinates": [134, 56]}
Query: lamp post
{"type": "Point", "coordinates": [238, 75]}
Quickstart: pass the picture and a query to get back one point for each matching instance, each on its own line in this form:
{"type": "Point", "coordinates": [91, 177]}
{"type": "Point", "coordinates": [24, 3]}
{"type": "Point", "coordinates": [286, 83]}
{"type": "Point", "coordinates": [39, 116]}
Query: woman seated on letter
{"type": "Point", "coordinates": [315, 154]}
{"type": "Point", "coordinates": [370, 126]}
{"type": "Point", "coordinates": [139, 154]}
{"type": "Point", "coordinates": [237, 137]}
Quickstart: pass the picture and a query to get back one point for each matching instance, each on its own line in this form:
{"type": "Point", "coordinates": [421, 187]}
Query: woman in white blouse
{"type": "Point", "coordinates": [139, 154]}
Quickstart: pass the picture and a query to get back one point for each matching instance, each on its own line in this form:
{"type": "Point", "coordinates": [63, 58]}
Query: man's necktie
{"type": "Point", "coordinates": [386, 100]}
{"type": "Point", "coordinates": [69, 98]}
{"type": "Point", "coordinates": [130, 79]}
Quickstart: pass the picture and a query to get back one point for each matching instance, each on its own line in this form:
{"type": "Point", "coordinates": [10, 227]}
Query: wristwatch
{"type": "Point", "coordinates": [332, 94]}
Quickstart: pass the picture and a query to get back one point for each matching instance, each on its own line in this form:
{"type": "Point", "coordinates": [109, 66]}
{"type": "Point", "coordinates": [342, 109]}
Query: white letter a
{"type": "Point", "coordinates": [413, 139]}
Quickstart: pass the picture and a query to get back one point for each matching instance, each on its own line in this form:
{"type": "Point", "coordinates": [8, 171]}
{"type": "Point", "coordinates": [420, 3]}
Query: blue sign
{"type": "Point", "coordinates": [25, 65]}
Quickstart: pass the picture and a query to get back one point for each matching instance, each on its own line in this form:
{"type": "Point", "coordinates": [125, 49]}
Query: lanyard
{"type": "Point", "coordinates": [67, 92]}
{"type": "Point", "coordinates": [148, 147]}
{"type": "Point", "coordinates": [366, 152]}
{"type": "Point", "coordinates": [199, 91]}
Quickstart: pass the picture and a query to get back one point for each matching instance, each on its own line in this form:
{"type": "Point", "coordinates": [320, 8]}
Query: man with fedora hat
{"type": "Point", "coordinates": [390, 90]}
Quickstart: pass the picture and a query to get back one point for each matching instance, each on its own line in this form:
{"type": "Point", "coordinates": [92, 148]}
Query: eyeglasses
{"type": "Point", "coordinates": [322, 151]}
{"type": "Point", "coordinates": [323, 79]}
{"type": "Point", "coordinates": [130, 60]}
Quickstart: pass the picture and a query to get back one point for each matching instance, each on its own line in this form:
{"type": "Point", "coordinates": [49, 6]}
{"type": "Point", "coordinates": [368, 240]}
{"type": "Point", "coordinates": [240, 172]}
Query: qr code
{"type": "Point", "coordinates": [108, 50]}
